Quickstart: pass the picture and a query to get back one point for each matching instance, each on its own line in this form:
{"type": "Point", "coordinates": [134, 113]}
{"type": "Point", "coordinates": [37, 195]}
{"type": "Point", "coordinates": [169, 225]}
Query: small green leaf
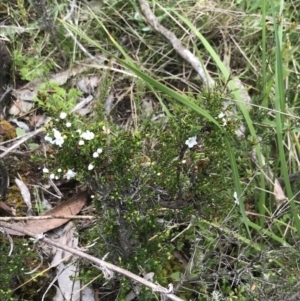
{"type": "Point", "coordinates": [20, 132]}
{"type": "Point", "coordinates": [176, 276]}
{"type": "Point", "coordinates": [32, 146]}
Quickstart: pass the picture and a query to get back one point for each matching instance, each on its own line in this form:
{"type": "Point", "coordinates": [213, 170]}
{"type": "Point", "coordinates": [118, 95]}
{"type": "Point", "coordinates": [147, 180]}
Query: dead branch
{"type": "Point", "coordinates": [171, 38]}
{"type": "Point", "coordinates": [21, 141]}
{"type": "Point", "coordinates": [27, 218]}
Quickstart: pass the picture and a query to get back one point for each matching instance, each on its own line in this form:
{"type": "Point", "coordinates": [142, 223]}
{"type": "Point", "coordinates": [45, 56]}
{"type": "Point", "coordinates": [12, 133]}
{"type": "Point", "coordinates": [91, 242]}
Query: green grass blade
{"type": "Point", "coordinates": [280, 107]}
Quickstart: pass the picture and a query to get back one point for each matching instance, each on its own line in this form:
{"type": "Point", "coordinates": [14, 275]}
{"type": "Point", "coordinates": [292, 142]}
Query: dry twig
{"type": "Point", "coordinates": [27, 218]}
{"type": "Point", "coordinates": [21, 141]}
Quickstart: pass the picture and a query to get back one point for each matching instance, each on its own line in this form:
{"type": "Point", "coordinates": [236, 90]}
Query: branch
{"type": "Point", "coordinates": [21, 141]}
{"type": "Point", "coordinates": [172, 39]}
{"type": "Point", "coordinates": [26, 218]}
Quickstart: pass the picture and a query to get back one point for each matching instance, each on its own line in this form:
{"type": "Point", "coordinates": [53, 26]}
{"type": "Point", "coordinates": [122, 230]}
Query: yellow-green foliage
{"type": "Point", "coordinates": [24, 258]}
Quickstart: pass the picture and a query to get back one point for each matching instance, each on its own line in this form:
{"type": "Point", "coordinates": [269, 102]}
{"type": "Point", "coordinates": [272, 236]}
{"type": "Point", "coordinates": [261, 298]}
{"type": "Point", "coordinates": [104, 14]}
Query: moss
{"type": "Point", "coordinates": [7, 131]}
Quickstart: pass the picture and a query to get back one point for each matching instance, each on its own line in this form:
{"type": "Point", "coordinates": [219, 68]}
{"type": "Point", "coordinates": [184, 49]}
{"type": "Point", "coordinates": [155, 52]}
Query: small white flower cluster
{"type": "Point", "coordinates": [87, 135]}
{"type": "Point", "coordinates": [57, 140]}
{"type": "Point", "coordinates": [63, 115]}
{"type": "Point", "coordinates": [97, 153]}
{"type": "Point", "coordinates": [68, 175]}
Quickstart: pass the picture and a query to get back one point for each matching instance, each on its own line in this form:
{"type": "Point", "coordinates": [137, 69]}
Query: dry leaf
{"type": "Point", "coordinates": [69, 288]}
{"type": "Point", "coordinates": [5, 209]}
{"type": "Point", "coordinates": [26, 195]}
{"type": "Point", "coordinates": [88, 84]}
{"type": "Point", "coordinates": [71, 207]}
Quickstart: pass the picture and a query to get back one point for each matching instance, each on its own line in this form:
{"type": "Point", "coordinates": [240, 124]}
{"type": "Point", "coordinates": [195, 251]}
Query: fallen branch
{"type": "Point", "coordinates": [27, 218]}
{"type": "Point", "coordinates": [100, 263]}
{"type": "Point", "coordinates": [171, 38]}
{"type": "Point", "coordinates": [21, 141]}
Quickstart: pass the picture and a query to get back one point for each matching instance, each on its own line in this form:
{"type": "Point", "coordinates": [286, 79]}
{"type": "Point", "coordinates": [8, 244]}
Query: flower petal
{"type": "Point", "coordinates": [63, 115]}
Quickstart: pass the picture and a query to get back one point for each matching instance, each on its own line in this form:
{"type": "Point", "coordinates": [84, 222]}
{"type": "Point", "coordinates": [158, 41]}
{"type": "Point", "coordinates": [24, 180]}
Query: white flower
{"type": "Point", "coordinates": [78, 131]}
{"type": "Point", "coordinates": [81, 142]}
{"type": "Point", "coordinates": [52, 176]}
{"type": "Point", "coordinates": [87, 135]}
{"type": "Point", "coordinates": [191, 142]}
{"type": "Point", "coordinates": [236, 199]}
{"type": "Point", "coordinates": [70, 174]}
{"type": "Point", "coordinates": [59, 170]}
{"type": "Point", "coordinates": [97, 153]}
{"type": "Point", "coordinates": [56, 177]}
{"type": "Point", "coordinates": [45, 170]}
{"type": "Point", "coordinates": [68, 124]}
{"type": "Point", "coordinates": [63, 115]}
{"type": "Point", "coordinates": [49, 139]}
{"type": "Point", "coordinates": [90, 167]}
{"type": "Point", "coordinates": [58, 139]}
{"type": "Point", "coordinates": [57, 133]}
{"type": "Point", "coordinates": [221, 115]}
{"type": "Point", "coordinates": [92, 196]}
